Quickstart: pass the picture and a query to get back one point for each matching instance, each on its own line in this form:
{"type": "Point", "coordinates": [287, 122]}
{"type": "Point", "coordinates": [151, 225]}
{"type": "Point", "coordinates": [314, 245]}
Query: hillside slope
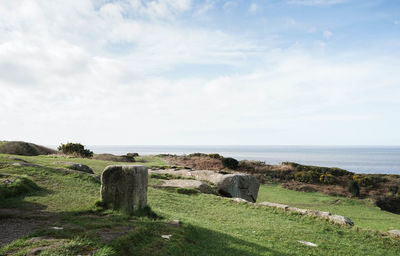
{"type": "Point", "coordinates": [68, 223]}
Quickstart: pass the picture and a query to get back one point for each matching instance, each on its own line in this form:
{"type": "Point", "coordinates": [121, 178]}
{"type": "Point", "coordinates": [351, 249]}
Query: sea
{"type": "Point", "coordinates": [358, 159]}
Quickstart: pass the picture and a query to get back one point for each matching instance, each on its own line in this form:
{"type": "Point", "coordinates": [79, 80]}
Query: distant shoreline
{"type": "Point", "coordinates": [358, 159]}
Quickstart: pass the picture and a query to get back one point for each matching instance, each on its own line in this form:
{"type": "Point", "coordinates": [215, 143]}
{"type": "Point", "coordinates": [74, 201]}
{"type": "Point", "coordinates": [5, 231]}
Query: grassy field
{"type": "Point", "coordinates": [211, 225]}
{"type": "Point", "coordinates": [364, 213]}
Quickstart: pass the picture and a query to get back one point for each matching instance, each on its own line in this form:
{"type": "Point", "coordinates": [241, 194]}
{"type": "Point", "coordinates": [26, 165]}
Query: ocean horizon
{"type": "Point", "coordinates": [358, 159]}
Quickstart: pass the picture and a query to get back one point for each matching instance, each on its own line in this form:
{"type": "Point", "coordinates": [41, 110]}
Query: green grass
{"type": "Point", "coordinates": [364, 213]}
{"type": "Point", "coordinates": [211, 225]}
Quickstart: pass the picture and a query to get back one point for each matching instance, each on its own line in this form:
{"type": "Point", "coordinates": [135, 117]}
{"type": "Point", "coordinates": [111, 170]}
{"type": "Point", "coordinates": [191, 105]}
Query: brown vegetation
{"type": "Point", "coordinates": [380, 188]}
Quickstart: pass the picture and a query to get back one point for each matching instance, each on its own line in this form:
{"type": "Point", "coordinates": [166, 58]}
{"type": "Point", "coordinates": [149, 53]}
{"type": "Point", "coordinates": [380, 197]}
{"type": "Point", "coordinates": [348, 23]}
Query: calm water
{"type": "Point", "coordinates": [358, 159]}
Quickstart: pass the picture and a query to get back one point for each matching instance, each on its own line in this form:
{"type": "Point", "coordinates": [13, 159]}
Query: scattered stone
{"type": "Point", "coordinates": [193, 184]}
{"type": "Point", "coordinates": [318, 213]}
{"type": "Point", "coordinates": [17, 159]}
{"type": "Point", "coordinates": [166, 237]}
{"type": "Point", "coordinates": [340, 220]}
{"type": "Point", "coordinates": [26, 164]}
{"type": "Point", "coordinates": [307, 243]}
{"type": "Point", "coordinates": [240, 200]}
{"type": "Point", "coordinates": [37, 251]}
{"type": "Point", "coordinates": [57, 228]}
{"type": "Point", "coordinates": [76, 166]}
{"type": "Point", "coordinates": [174, 223]}
{"type": "Point", "coordinates": [298, 210]}
{"type": "Point", "coordinates": [281, 206]}
{"type": "Point", "coordinates": [41, 238]}
{"type": "Point", "coordinates": [124, 187]}
{"type": "Point", "coordinates": [394, 232]}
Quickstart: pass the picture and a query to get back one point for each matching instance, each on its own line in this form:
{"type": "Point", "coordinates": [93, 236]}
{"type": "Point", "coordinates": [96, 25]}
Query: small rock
{"type": "Point", "coordinates": [166, 237]}
{"type": "Point", "coordinates": [298, 210]}
{"type": "Point", "coordinates": [307, 243]}
{"type": "Point", "coordinates": [340, 220]}
{"type": "Point", "coordinates": [57, 228]}
{"type": "Point", "coordinates": [281, 206]}
{"type": "Point", "coordinates": [175, 223]}
{"type": "Point", "coordinates": [240, 200]}
{"type": "Point", "coordinates": [318, 213]}
{"type": "Point", "coordinates": [17, 159]}
{"type": "Point", "coordinates": [36, 251]}
{"type": "Point", "coordinates": [394, 232]}
{"type": "Point", "coordinates": [77, 167]}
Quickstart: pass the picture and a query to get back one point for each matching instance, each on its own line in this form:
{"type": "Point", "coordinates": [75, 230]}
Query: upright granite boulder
{"type": "Point", "coordinates": [124, 187]}
{"type": "Point", "coordinates": [238, 185]}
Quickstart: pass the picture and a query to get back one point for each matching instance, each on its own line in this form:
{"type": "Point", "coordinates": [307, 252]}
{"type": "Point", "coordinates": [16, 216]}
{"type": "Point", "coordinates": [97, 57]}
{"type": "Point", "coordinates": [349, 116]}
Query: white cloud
{"type": "Point", "coordinates": [327, 34]}
{"type": "Point", "coordinates": [253, 7]}
{"type": "Point", "coordinates": [63, 80]}
{"type": "Point", "coordinates": [229, 5]}
{"type": "Point", "coordinates": [316, 2]}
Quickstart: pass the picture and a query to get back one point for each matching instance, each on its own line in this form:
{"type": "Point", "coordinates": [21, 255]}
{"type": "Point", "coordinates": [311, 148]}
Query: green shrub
{"type": "Point", "coordinates": [394, 189]}
{"type": "Point", "coordinates": [368, 180]}
{"type": "Point", "coordinates": [215, 155]}
{"type": "Point", "coordinates": [327, 179]}
{"type": "Point", "coordinates": [307, 176]}
{"type": "Point", "coordinates": [389, 203]}
{"type": "Point", "coordinates": [353, 188]}
{"type": "Point", "coordinates": [197, 154]}
{"type": "Point", "coordinates": [75, 149]}
{"type": "Point", "coordinates": [229, 162]}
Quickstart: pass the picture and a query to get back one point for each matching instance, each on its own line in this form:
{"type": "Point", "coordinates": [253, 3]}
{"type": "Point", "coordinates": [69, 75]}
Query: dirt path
{"type": "Point", "coordinates": [15, 223]}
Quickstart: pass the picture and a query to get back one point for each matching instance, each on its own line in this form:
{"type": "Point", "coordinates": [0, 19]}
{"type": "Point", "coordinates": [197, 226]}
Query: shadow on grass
{"type": "Point", "coordinates": [142, 235]}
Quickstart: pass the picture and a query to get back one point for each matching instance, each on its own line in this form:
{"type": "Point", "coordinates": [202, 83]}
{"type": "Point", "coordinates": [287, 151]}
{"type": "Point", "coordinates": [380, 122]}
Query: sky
{"type": "Point", "coordinates": [200, 72]}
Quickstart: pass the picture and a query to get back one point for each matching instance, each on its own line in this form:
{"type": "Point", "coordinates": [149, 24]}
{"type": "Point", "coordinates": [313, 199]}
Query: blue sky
{"type": "Point", "coordinates": [261, 72]}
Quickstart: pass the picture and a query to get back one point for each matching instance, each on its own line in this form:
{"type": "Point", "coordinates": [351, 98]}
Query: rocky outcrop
{"type": "Point", "coordinates": [193, 184]}
{"type": "Point", "coordinates": [76, 167]}
{"type": "Point", "coordinates": [238, 185]}
{"type": "Point", "coordinates": [124, 187]}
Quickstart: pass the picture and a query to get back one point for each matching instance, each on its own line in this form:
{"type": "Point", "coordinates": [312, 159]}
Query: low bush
{"type": "Point", "coordinates": [307, 176]}
{"type": "Point", "coordinates": [229, 162]}
{"type": "Point", "coordinates": [75, 149]}
{"type": "Point", "coordinates": [353, 188]}
{"type": "Point", "coordinates": [389, 203]}
{"type": "Point", "coordinates": [327, 179]}
{"type": "Point", "coordinates": [215, 155]}
{"type": "Point", "coordinates": [317, 169]}
{"type": "Point", "coordinates": [197, 154]}
{"type": "Point", "coordinates": [368, 180]}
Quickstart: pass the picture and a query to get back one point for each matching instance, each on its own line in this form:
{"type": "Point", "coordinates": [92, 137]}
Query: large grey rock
{"type": "Point", "coordinates": [194, 184]}
{"type": "Point", "coordinates": [243, 186]}
{"type": "Point", "coordinates": [77, 167]}
{"type": "Point", "coordinates": [124, 187]}
{"type": "Point", "coordinates": [238, 185]}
